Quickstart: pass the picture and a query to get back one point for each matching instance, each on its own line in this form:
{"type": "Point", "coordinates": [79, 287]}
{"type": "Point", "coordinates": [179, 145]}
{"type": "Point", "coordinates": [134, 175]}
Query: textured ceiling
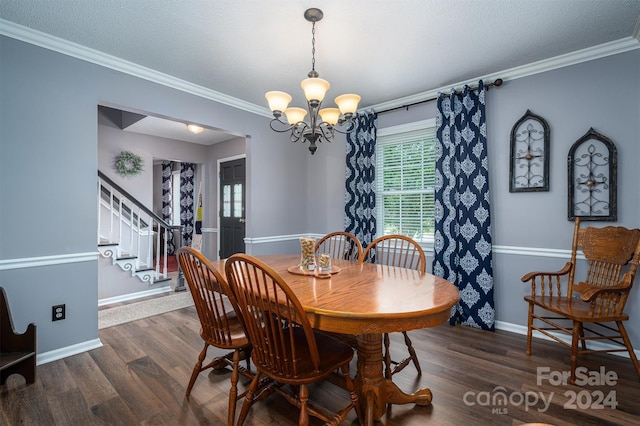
{"type": "Point", "coordinates": [382, 50]}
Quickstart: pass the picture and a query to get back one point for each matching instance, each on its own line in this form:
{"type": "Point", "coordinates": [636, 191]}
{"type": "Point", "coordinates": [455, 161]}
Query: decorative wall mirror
{"type": "Point", "coordinates": [593, 168]}
{"type": "Point", "coordinates": [529, 160]}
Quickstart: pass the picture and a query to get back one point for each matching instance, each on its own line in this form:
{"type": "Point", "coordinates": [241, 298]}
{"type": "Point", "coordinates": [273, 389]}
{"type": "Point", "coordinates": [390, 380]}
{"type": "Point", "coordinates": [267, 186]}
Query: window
{"type": "Point", "coordinates": [405, 177]}
{"type": "Point", "coordinates": [227, 200]}
{"type": "Point", "coordinates": [175, 194]}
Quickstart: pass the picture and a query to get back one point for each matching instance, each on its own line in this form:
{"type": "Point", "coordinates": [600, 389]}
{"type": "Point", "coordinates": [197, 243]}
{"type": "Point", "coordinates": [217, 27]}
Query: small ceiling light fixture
{"type": "Point", "coordinates": [322, 122]}
{"type": "Point", "coordinates": [195, 129]}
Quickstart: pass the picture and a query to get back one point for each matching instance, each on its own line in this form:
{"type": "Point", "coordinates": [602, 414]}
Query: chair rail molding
{"type": "Point", "coordinates": [59, 259]}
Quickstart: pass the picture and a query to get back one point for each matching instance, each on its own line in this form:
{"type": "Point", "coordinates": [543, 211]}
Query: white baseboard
{"type": "Point", "coordinates": [57, 354]}
{"type": "Point", "coordinates": [522, 329]}
{"type": "Point", "coordinates": [133, 296]}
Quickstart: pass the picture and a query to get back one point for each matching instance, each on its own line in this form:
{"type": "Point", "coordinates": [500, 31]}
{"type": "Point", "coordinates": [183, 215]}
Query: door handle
{"type": "Point", "coordinates": [242, 220]}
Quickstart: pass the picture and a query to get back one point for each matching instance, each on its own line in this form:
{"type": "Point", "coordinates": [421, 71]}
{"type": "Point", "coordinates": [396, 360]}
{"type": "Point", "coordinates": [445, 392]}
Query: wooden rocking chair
{"type": "Point", "coordinates": [595, 305]}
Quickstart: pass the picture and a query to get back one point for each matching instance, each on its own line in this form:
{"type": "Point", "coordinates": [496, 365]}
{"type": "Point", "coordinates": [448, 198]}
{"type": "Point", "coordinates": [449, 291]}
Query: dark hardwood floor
{"type": "Point", "coordinates": [139, 377]}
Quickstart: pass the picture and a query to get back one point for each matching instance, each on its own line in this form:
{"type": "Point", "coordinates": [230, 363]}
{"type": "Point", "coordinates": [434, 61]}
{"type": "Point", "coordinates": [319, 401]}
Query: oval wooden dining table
{"type": "Point", "coordinates": [368, 300]}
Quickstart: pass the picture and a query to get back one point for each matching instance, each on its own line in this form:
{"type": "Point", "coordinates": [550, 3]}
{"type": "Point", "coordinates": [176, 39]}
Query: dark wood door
{"type": "Point", "coordinates": [232, 207]}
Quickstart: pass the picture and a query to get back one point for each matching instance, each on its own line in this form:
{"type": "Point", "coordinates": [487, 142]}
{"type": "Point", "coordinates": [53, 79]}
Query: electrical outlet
{"type": "Point", "coordinates": [58, 312]}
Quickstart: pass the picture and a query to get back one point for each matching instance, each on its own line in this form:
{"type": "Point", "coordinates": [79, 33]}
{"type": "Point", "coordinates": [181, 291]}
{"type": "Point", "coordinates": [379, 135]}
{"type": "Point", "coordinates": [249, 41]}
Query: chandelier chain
{"type": "Point", "coordinates": [322, 122]}
{"type": "Point", "coordinates": [313, 46]}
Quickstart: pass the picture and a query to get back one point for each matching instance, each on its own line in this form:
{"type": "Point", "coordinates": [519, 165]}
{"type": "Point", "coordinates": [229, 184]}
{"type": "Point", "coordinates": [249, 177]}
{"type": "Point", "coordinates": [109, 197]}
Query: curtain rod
{"type": "Point", "coordinates": [497, 83]}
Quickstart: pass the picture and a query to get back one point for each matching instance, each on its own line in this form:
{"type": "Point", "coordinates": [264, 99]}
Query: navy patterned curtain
{"type": "Point", "coordinates": [187, 173]}
{"type": "Point", "coordinates": [462, 248]}
{"type": "Point", "coordinates": [167, 208]}
{"type": "Point", "coordinates": [360, 197]}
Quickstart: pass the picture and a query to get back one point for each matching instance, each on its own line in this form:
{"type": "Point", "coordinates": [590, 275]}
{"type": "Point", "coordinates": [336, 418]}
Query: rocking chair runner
{"type": "Point", "coordinates": [593, 306]}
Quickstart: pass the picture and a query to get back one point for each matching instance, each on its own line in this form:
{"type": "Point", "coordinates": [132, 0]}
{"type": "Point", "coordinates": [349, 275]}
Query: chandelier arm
{"type": "Point", "coordinates": [298, 131]}
{"type": "Point", "coordinates": [280, 123]}
{"type": "Point", "coordinates": [350, 127]}
{"type": "Point", "coordinates": [326, 131]}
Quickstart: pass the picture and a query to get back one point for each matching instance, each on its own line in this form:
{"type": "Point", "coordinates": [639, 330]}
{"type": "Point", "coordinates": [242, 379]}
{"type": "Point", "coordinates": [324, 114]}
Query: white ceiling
{"type": "Point", "coordinates": [177, 130]}
{"type": "Point", "coordinates": [382, 50]}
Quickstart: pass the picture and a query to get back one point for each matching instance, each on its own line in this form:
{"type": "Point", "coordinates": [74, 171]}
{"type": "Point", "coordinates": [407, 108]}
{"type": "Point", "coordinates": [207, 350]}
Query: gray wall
{"type": "Point", "coordinates": [603, 94]}
{"type": "Point", "coordinates": [48, 162]}
{"type": "Point", "coordinates": [49, 156]}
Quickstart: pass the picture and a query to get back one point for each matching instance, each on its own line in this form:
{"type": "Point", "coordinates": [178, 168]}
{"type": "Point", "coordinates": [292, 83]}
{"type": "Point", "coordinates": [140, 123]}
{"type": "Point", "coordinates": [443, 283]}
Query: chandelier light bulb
{"type": "Point", "coordinates": [330, 115]}
{"type": "Point", "coordinates": [278, 101]}
{"type": "Point", "coordinates": [348, 103]}
{"type": "Point", "coordinates": [295, 115]}
{"type": "Point", "coordinates": [314, 88]}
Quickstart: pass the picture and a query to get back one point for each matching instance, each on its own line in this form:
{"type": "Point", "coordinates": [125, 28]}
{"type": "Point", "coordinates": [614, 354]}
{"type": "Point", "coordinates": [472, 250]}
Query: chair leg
{"type": "Point", "coordinates": [303, 395]}
{"type": "Point", "coordinates": [627, 343]}
{"type": "Point", "coordinates": [196, 370]}
{"type": "Point", "coordinates": [388, 372]}
{"type": "Point", "coordinates": [248, 399]}
{"type": "Point", "coordinates": [582, 341]}
{"type": "Point", "coordinates": [387, 356]}
{"type": "Point", "coordinates": [575, 337]}
{"type": "Point", "coordinates": [233, 391]}
{"type": "Point", "coordinates": [351, 388]}
{"type": "Point", "coordinates": [529, 329]}
{"type": "Point", "coordinates": [412, 352]}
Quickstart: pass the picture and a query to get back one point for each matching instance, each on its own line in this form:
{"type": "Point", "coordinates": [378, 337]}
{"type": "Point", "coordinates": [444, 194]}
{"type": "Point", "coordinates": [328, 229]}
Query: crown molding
{"type": "Point", "coordinates": [28, 35]}
{"type": "Point", "coordinates": [607, 49]}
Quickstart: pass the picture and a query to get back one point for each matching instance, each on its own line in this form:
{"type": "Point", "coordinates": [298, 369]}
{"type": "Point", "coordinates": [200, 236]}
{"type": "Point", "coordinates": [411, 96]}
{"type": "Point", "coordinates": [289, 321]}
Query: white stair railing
{"type": "Point", "coordinates": [132, 235]}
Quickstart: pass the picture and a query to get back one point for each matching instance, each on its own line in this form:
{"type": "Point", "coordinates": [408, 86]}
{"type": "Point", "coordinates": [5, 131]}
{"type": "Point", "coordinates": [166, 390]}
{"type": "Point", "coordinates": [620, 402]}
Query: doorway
{"type": "Point", "coordinates": [232, 190]}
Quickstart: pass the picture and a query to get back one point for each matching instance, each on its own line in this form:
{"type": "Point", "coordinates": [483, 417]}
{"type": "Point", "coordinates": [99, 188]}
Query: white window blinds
{"type": "Point", "coordinates": [405, 182]}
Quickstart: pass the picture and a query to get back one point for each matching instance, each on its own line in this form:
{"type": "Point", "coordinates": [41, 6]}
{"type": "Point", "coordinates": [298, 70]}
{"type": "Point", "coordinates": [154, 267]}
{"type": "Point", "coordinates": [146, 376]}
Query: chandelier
{"type": "Point", "coordinates": [322, 122]}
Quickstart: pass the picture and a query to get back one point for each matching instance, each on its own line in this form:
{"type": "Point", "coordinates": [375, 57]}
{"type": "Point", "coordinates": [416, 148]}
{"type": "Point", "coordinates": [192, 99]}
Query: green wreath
{"type": "Point", "coordinates": [128, 164]}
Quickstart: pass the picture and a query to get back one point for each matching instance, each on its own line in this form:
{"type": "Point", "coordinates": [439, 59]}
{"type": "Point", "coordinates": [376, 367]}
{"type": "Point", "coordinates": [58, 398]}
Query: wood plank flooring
{"type": "Point", "coordinates": [140, 375]}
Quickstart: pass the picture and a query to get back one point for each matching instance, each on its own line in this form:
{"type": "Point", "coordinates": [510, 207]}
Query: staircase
{"type": "Point", "coordinates": [132, 236]}
{"type": "Point", "coordinates": [132, 263]}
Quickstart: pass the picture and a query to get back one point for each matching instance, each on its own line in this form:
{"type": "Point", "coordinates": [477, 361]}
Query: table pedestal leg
{"type": "Point", "coordinates": [375, 392]}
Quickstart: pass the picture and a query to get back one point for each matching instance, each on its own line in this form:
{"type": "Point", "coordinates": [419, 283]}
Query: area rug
{"type": "Point", "coordinates": [147, 308]}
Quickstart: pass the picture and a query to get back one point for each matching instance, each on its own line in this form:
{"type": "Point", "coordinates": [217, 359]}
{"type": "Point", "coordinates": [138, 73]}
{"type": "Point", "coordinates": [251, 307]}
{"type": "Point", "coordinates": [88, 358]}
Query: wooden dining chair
{"type": "Point", "coordinates": [339, 245]}
{"type": "Point", "coordinates": [221, 327]}
{"type": "Point", "coordinates": [286, 349]}
{"type": "Point", "coordinates": [590, 309]}
{"type": "Point", "coordinates": [402, 251]}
